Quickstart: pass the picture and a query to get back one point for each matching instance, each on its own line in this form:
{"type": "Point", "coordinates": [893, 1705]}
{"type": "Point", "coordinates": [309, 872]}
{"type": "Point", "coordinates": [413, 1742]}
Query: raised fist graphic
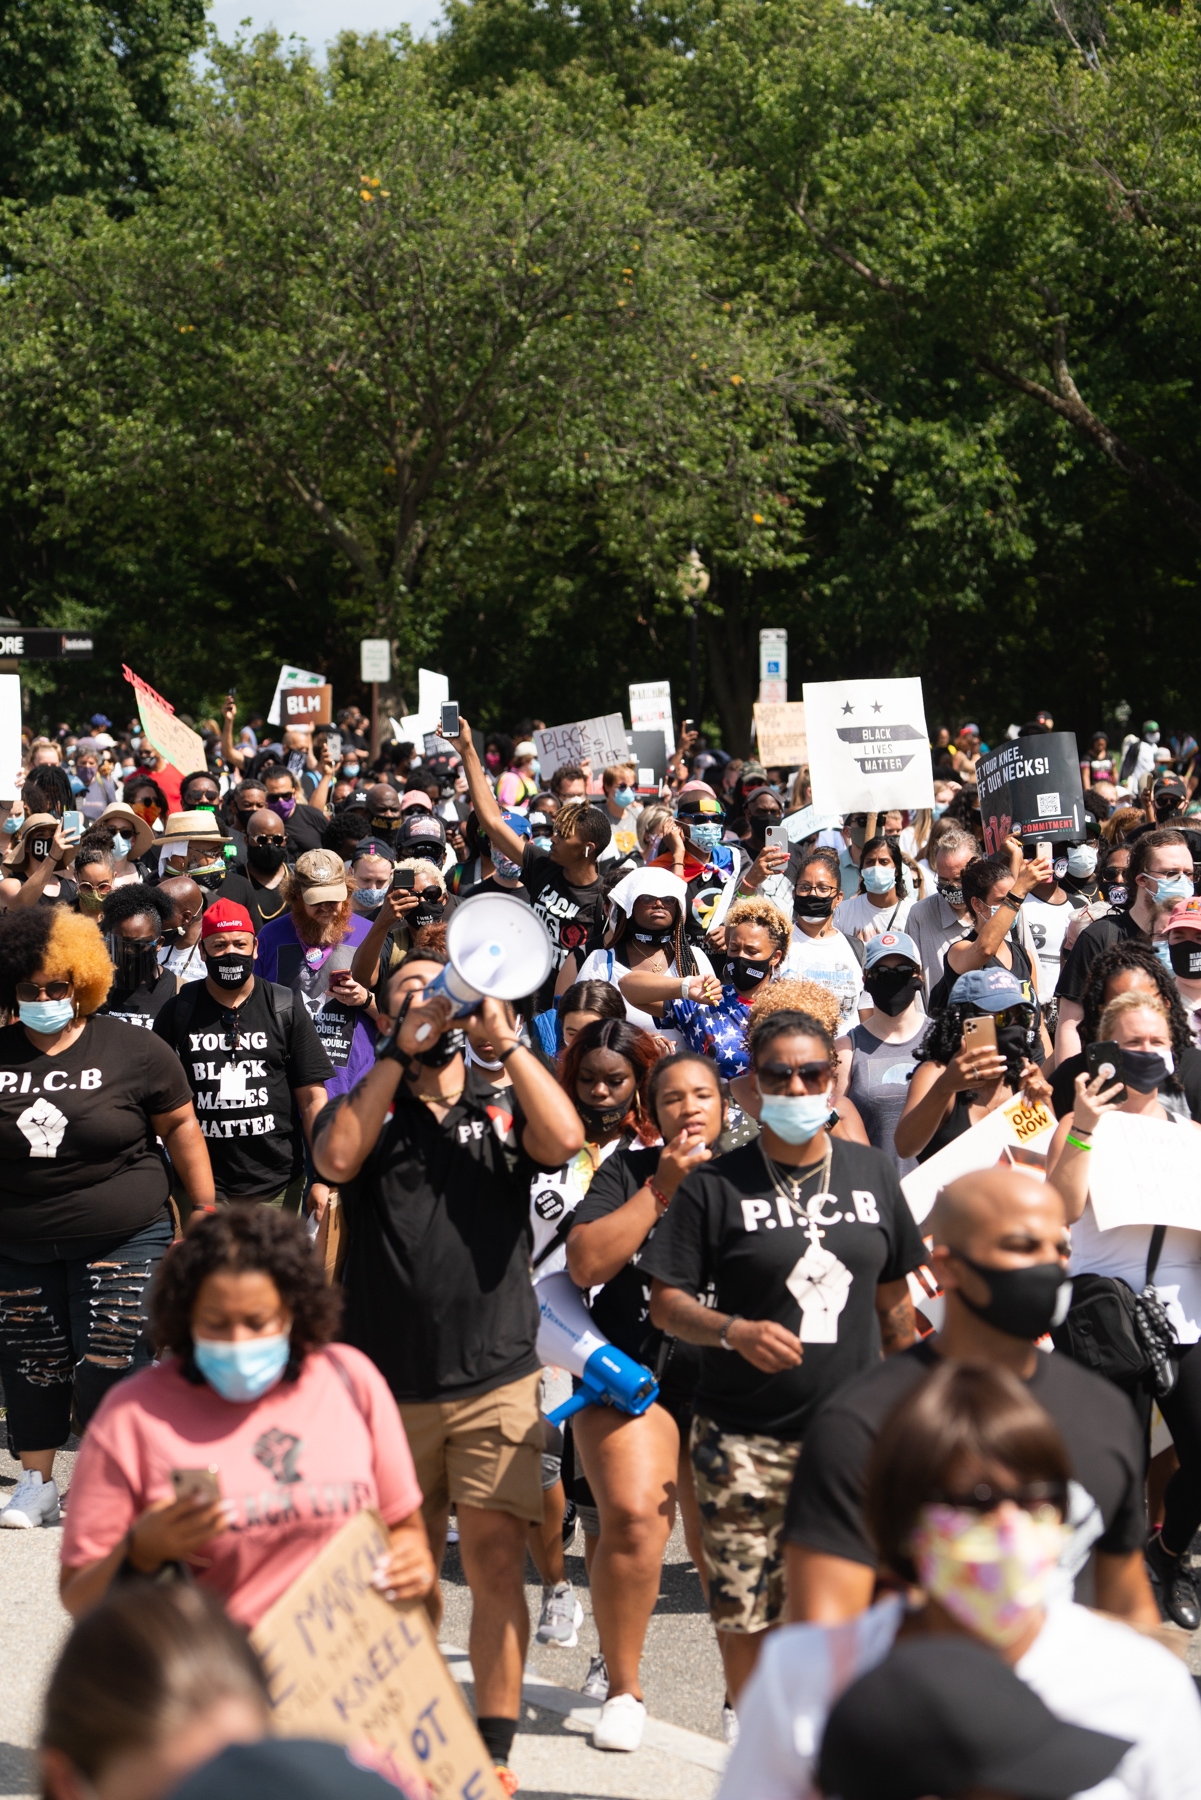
{"type": "Point", "coordinates": [43, 1125]}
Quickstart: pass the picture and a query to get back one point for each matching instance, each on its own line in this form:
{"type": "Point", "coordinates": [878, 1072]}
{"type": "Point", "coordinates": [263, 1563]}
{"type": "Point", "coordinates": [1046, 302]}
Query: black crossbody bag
{"type": "Point", "coordinates": [1126, 1337]}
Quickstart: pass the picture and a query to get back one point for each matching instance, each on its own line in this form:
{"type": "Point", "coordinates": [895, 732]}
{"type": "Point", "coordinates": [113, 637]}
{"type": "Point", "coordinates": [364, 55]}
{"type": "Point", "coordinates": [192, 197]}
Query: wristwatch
{"type": "Point", "coordinates": [722, 1338]}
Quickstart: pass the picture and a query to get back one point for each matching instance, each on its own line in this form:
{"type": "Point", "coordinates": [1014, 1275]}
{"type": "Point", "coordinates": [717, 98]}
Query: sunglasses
{"type": "Point", "coordinates": [268, 837]}
{"type": "Point", "coordinates": [1029, 1495]}
{"type": "Point", "coordinates": [29, 991]}
{"type": "Point", "coordinates": [1015, 1015]}
{"type": "Point", "coordinates": [774, 1076]}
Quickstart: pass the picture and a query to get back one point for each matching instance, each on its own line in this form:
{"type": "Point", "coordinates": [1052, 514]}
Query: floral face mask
{"type": "Point", "coordinates": [989, 1570]}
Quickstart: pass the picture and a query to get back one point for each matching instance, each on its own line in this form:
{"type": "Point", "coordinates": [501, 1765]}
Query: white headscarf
{"type": "Point", "coordinates": [641, 883]}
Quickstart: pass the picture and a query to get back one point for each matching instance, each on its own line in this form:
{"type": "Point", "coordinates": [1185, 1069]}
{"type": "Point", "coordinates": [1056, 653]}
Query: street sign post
{"type": "Point", "coordinates": [375, 665]}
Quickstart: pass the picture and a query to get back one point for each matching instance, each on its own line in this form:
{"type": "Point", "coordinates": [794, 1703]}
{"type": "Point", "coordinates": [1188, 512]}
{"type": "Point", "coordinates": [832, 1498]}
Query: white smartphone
{"type": "Point", "coordinates": [776, 838]}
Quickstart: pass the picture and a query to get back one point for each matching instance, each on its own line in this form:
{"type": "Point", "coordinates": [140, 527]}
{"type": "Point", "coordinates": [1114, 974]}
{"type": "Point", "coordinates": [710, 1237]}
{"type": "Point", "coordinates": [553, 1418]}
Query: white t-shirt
{"type": "Point", "coordinates": [185, 965]}
{"type": "Point", "coordinates": [553, 1196]}
{"type": "Point", "coordinates": [1047, 925]}
{"type": "Point", "coordinates": [1123, 1252]}
{"type": "Point", "coordinates": [602, 965]}
{"type": "Point", "coordinates": [859, 915]}
{"type": "Point", "coordinates": [831, 962]}
{"type": "Point", "coordinates": [1086, 1669]}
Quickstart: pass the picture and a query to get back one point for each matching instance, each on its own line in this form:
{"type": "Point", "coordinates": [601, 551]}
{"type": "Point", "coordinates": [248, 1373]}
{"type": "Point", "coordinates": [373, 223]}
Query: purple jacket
{"type": "Point", "coordinates": [349, 1038]}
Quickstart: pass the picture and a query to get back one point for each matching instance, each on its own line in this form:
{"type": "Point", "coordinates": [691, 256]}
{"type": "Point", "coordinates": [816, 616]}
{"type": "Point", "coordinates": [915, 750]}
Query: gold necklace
{"type": "Point", "coordinates": [789, 1189]}
{"type": "Point", "coordinates": [439, 1099]}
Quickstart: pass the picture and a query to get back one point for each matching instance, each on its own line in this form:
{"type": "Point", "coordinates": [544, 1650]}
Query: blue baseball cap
{"type": "Point", "coordinates": [992, 990]}
{"type": "Point", "coordinates": [517, 822]}
{"type": "Point", "coordinates": [890, 943]}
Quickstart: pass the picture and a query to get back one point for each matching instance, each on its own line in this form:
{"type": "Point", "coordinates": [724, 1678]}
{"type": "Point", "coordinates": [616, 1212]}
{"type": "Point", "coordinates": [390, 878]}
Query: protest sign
{"type": "Point", "coordinates": [307, 705]}
{"type": "Point", "coordinates": [1016, 1133]}
{"type": "Point", "coordinates": [344, 1664]}
{"type": "Point", "coordinates": [600, 741]}
{"type": "Point", "coordinates": [650, 757]}
{"type": "Point", "coordinates": [780, 734]}
{"type": "Point", "coordinates": [868, 745]}
{"type": "Point", "coordinates": [1031, 788]}
{"type": "Point", "coordinates": [10, 735]}
{"type": "Point", "coordinates": [432, 690]}
{"type": "Point", "coordinates": [650, 710]}
{"type": "Point", "coordinates": [291, 677]}
{"type": "Point", "coordinates": [182, 747]}
{"type": "Point", "coordinates": [808, 823]}
{"type": "Point", "coordinates": [1144, 1172]}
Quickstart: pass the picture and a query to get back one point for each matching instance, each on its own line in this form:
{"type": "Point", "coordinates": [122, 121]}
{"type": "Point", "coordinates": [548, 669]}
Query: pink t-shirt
{"type": "Point", "coordinates": [296, 1464]}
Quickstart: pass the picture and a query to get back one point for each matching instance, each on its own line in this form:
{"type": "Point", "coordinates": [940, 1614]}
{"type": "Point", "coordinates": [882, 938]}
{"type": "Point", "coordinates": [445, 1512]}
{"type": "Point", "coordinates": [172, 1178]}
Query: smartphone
{"type": "Point", "coordinates": [1105, 1059]}
{"type": "Point", "coordinates": [689, 725]}
{"type": "Point", "coordinates": [776, 838]}
{"type": "Point", "coordinates": [73, 824]}
{"type": "Point", "coordinates": [333, 743]}
{"type": "Point", "coordinates": [404, 878]}
{"type": "Point", "coordinates": [197, 1484]}
{"type": "Point", "coordinates": [980, 1032]}
{"type": "Point", "coordinates": [450, 719]}
{"type": "Point", "coordinates": [233, 693]}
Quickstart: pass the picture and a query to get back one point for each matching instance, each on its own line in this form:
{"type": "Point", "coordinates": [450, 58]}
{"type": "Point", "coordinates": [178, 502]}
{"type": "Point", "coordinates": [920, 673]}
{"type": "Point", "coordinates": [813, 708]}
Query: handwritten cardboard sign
{"type": "Point", "coordinates": [780, 734]}
{"type": "Point", "coordinates": [1016, 1133]}
{"type": "Point", "coordinates": [869, 749]}
{"type": "Point", "coordinates": [307, 705]}
{"type": "Point", "coordinates": [182, 747]}
{"type": "Point", "coordinates": [1144, 1172]}
{"type": "Point", "coordinates": [601, 741]}
{"type": "Point", "coordinates": [1031, 787]}
{"type": "Point", "coordinates": [343, 1663]}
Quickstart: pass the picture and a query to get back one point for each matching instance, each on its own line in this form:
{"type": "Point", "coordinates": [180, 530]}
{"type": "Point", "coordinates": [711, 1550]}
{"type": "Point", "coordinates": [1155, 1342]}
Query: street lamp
{"type": "Point", "coordinates": [693, 578]}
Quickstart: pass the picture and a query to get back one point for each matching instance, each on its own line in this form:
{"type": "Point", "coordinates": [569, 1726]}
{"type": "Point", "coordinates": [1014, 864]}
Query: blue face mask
{"type": "Point", "coordinates": [535, 770]}
{"type": "Point", "coordinates": [350, 769]}
{"type": "Point", "coordinates": [1171, 888]}
{"type": "Point", "coordinates": [508, 871]}
{"type": "Point", "coordinates": [541, 843]}
{"type": "Point", "coordinates": [367, 899]}
{"type": "Point", "coordinates": [795, 1117]}
{"type": "Point", "coordinates": [121, 846]}
{"type": "Point", "coordinates": [936, 812]}
{"type": "Point", "coordinates": [623, 796]}
{"type": "Point", "coordinates": [47, 1016]}
{"type": "Point", "coordinates": [243, 1370]}
{"type": "Point", "coordinates": [879, 877]}
{"type": "Point", "coordinates": [705, 833]}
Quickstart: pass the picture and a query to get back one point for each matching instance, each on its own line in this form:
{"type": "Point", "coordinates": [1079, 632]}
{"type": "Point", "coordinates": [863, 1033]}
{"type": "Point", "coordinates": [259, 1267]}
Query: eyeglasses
{"type": "Point", "coordinates": [29, 991]}
{"type": "Point", "coordinates": [774, 1077]}
{"type": "Point", "coordinates": [821, 891]}
{"type": "Point", "coordinates": [1031, 1496]}
{"type": "Point", "coordinates": [95, 887]}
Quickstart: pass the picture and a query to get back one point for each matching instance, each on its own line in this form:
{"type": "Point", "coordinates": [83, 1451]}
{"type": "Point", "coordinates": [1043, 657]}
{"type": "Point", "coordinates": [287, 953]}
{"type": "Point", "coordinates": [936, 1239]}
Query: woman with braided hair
{"type": "Point", "coordinates": [1130, 966]}
{"type": "Point", "coordinates": [646, 933]}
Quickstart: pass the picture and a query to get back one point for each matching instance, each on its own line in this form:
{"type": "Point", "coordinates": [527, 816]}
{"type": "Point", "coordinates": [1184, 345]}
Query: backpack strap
{"type": "Point", "coordinates": [281, 1004]}
{"type": "Point", "coordinates": [1155, 1252]}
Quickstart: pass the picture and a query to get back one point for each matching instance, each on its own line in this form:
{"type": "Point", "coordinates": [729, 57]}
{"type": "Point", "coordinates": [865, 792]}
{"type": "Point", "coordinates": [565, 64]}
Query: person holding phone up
{"type": "Point", "coordinates": [35, 863]}
{"type": "Point", "coordinates": [974, 1058]}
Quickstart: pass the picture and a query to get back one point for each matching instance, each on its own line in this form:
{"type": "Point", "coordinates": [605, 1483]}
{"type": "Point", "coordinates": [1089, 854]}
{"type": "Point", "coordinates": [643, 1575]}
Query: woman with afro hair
{"type": "Point", "coordinates": [84, 1218]}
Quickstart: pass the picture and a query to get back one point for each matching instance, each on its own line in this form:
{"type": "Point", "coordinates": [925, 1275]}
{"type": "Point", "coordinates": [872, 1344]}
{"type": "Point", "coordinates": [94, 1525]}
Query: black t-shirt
{"type": "Point", "coordinates": [142, 1005]}
{"type": "Point", "coordinates": [571, 914]}
{"type": "Point", "coordinates": [1096, 1420]}
{"type": "Point", "coordinates": [728, 1225]}
{"type": "Point", "coordinates": [77, 1150]}
{"type": "Point", "coordinates": [1114, 928]}
{"type": "Point", "coordinates": [622, 1307]}
{"type": "Point", "coordinates": [262, 903]}
{"type": "Point", "coordinates": [246, 1115]}
{"type": "Point", "coordinates": [304, 828]}
{"type": "Point", "coordinates": [437, 1275]}
{"type": "Point", "coordinates": [1188, 1070]}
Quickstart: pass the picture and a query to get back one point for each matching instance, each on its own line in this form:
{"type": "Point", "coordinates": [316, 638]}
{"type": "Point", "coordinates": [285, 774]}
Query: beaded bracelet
{"type": "Point", "coordinates": [660, 1198]}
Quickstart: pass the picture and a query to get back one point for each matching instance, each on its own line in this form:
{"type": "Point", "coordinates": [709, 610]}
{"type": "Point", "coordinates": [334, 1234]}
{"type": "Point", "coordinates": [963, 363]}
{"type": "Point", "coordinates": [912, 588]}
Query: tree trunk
{"type": "Point", "coordinates": [732, 646]}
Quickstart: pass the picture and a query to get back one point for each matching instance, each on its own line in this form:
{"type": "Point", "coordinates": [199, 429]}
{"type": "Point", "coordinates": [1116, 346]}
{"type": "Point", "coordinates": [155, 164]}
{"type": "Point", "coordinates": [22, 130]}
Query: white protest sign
{"type": "Point", "coordinates": [650, 710]}
{"type": "Point", "coordinates": [432, 690]}
{"type": "Point", "coordinates": [868, 745]}
{"type": "Point", "coordinates": [291, 677]}
{"type": "Point", "coordinates": [600, 741]}
{"type": "Point", "coordinates": [10, 735]}
{"type": "Point", "coordinates": [1145, 1172]}
{"type": "Point", "coordinates": [1015, 1133]}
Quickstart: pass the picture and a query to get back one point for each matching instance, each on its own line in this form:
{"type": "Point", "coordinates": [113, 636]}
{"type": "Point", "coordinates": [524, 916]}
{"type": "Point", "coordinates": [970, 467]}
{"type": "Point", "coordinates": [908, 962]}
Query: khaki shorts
{"type": "Point", "coordinates": [742, 1487]}
{"type": "Point", "coordinates": [486, 1451]}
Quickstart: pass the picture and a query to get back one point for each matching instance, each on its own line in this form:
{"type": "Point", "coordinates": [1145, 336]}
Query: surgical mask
{"type": "Point", "coordinates": [600, 1119]}
{"type": "Point", "coordinates": [1168, 889]}
{"type": "Point", "coordinates": [879, 877]}
{"type": "Point", "coordinates": [892, 989]}
{"type": "Point", "coordinates": [536, 772]}
{"type": "Point", "coordinates": [1143, 1070]}
{"type": "Point", "coordinates": [1082, 861]}
{"type": "Point", "coordinates": [12, 824]}
{"type": "Point", "coordinates": [243, 1370]}
{"type": "Point", "coordinates": [1024, 1303]}
{"type": "Point", "coordinates": [951, 892]}
{"type": "Point", "coordinates": [266, 858]}
{"type": "Point", "coordinates": [813, 906]}
{"type": "Point", "coordinates": [623, 796]}
{"type": "Point", "coordinates": [121, 846]}
{"type": "Point", "coordinates": [1152, 737]}
{"type": "Point", "coordinates": [230, 970]}
{"type": "Point", "coordinates": [794, 1117]}
{"type": "Point", "coordinates": [283, 804]}
{"type": "Point", "coordinates": [47, 1016]}
{"type": "Point", "coordinates": [367, 899]}
{"type": "Point", "coordinates": [706, 834]}
{"type": "Point", "coordinates": [745, 973]}
{"type": "Point", "coordinates": [350, 770]}
{"type": "Point", "coordinates": [990, 1571]}
{"type": "Point", "coordinates": [1186, 959]}
{"type": "Point", "coordinates": [541, 843]}
{"type": "Point", "coordinates": [936, 812]}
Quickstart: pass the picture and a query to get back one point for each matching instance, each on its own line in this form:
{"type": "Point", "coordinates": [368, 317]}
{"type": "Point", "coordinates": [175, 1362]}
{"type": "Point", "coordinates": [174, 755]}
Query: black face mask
{"type": "Point", "coordinates": [1013, 1043]}
{"type": "Point", "coordinates": [744, 973]}
{"type": "Point", "coordinates": [1115, 892]}
{"type": "Point", "coordinates": [1143, 1070]}
{"type": "Point", "coordinates": [759, 822]}
{"type": "Point", "coordinates": [230, 970]}
{"type": "Point", "coordinates": [449, 1045]}
{"type": "Point", "coordinates": [428, 912]}
{"type": "Point", "coordinates": [385, 829]}
{"type": "Point", "coordinates": [1186, 958]}
{"type": "Point", "coordinates": [657, 938]}
{"type": "Point", "coordinates": [813, 906]}
{"type": "Point", "coordinates": [951, 892]}
{"type": "Point", "coordinates": [1024, 1303]}
{"type": "Point", "coordinates": [599, 1119]}
{"type": "Point", "coordinates": [39, 848]}
{"type": "Point", "coordinates": [267, 858]}
{"type": "Point", "coordinates": [892, 989]}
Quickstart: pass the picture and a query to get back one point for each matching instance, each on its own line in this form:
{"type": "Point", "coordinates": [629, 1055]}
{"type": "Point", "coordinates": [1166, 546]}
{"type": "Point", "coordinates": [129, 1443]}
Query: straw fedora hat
{"type": "Point", "coordinates": [192, 828]}
{"type": "Point", "coordinates": [38, 825]}
{"type": "Point", "coordinates": [140, 833]}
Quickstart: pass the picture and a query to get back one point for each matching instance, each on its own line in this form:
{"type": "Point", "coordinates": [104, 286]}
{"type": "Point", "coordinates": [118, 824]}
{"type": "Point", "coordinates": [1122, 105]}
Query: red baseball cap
{"type": "Point", "coordinates": [226, 915]}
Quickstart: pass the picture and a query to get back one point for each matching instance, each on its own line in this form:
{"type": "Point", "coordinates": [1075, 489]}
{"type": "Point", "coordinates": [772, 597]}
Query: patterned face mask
{"type": "Point", "coordinates": [989, 1570]}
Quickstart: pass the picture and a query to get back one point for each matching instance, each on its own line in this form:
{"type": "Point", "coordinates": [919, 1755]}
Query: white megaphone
{"type": "Point", "coordinates": [499, 949]}
{"type": "Point", "coordinates": [568, 1339]}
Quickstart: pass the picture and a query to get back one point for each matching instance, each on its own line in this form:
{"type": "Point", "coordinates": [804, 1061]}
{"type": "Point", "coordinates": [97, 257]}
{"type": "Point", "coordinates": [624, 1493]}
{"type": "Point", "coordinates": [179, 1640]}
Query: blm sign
{"type": "Point", "coordinates": [1030, 789]}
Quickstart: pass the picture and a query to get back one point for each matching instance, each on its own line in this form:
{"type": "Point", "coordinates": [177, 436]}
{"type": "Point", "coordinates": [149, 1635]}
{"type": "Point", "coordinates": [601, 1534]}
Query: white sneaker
{"type": "Point", "coordinates": [596, 1682]}
{"type": "Point", "coordinates": [620, 1724]}
{"type": "Point", "coordinates": [729, 1724]}
{"type": "Point", "coordinates": [562, 1616]}
{"type": "Point", "coordinates": [34, 1502]}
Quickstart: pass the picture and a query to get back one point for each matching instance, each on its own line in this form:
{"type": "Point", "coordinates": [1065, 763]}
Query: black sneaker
{"type": "Point", "coordinates": [1173, 1585]}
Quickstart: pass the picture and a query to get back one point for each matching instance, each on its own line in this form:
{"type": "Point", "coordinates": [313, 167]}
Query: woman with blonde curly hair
{"type": "Point", "coordinates": [84, 1217]}
{"type": "Point", "coordinates": [789, 993]}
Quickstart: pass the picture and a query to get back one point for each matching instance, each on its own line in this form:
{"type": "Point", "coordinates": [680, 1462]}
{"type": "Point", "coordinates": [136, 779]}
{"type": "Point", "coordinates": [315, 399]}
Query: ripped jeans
{"type": "Point", "coordinates": [69, 1330]}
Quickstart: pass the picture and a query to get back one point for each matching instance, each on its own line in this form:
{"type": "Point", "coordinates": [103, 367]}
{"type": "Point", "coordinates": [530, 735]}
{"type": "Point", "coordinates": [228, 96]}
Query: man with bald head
{"type": "Point", "coordinates": [1000, 1251]}
{"type": "Point", "coordinates": [180, 953]}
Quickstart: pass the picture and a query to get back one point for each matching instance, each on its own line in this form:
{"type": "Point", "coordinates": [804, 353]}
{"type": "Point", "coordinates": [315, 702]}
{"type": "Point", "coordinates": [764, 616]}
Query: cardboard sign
{"type": "Point", "coordinates": [343, 1663]}
{"type": "Point", "coordinates": [780, 734]}
{"type": "Point", "coordinates": [1031, 788]}
{"type": "Point", "coordinates": [182, 747]}
{"type": "Point", "coordinates": [291, 677]}
{"type": "Point", "coordinates": [650, 710]}
{"type": "Point", "coordinates": [868, 745]}
{"type": "Point", "coordinates": [601, 741]}
{"type": "Point", "coordinates": [307, 705]}
{"type": "Point", "coordinates": [1015, 1133]}
{"type": "Point", "coordinates": [1144, 1172]}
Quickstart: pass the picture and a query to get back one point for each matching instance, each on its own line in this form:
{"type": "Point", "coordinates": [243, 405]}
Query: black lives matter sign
{"type": "Point", "coordinates": [1031, 789]}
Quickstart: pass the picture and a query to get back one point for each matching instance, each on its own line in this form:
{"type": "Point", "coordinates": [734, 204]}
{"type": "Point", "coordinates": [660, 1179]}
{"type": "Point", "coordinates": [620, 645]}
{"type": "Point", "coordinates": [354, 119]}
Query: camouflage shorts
{"type": "Point", "coordinates": [742, 1485]}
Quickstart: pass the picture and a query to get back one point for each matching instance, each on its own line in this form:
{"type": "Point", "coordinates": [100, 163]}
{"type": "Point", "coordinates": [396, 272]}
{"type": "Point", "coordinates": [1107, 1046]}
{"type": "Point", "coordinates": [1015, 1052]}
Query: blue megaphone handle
{"type": "Point", "coordinates": [611, 1378]}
